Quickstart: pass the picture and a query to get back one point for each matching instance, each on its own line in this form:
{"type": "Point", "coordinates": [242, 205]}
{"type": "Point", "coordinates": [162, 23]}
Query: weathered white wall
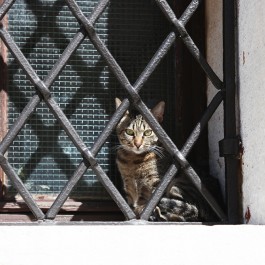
{"type": "Point", "coordinates": [251, 95]}
{"type": "Point", "coordinates": [251, 61]}
{"type": "Point", "coordinates": [214, 53]}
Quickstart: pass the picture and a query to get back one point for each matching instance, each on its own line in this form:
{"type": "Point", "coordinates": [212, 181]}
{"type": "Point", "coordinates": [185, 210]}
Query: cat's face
{"type": "Point", "coordinates": [134, 133]}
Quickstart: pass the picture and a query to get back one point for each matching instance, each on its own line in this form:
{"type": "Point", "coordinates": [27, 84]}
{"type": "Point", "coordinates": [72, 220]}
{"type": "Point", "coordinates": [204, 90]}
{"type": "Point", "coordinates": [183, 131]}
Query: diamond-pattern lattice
{"type": "Point", "coordinates": [44, 93]}
{"type": "Point", "coordinates": [84, 90]}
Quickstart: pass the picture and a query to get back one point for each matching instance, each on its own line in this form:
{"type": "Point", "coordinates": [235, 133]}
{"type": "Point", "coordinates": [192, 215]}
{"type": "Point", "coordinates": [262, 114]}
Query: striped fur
{"type": "Point", "coordinates": [142, 163]}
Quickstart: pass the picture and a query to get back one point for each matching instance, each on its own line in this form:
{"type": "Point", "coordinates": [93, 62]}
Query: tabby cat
{"type": "Point", "coordinates": [142, 162]}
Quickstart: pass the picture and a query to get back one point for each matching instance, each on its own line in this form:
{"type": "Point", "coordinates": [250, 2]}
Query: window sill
{"type": "Point", "coordinates": [196, 244]}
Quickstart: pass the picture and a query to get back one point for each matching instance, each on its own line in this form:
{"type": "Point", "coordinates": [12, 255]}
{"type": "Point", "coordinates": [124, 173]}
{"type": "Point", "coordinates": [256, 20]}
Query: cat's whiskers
{"type": "Point", "coordinates": [116, 147]}
{"type": "Point", "coordinates": [158, 150]}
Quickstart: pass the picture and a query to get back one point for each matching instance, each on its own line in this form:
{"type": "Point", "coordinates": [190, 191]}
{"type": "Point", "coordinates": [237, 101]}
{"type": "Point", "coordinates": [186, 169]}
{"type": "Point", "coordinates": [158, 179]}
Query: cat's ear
{"type": "Point", "coordinates": [118, 103]}
{"type": "Point", "coordinates": [158, 111]}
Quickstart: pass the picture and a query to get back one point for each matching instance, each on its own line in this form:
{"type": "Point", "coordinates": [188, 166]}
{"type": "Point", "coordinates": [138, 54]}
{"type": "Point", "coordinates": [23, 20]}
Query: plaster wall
{"type": "Point", "coordinates": [251, 100]}
{"type": "Point", "coordinates": [251, 69]}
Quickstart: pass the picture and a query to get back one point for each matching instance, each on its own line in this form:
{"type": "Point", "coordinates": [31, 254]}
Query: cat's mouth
{"type": "Point", "coordinates": [137, 150]}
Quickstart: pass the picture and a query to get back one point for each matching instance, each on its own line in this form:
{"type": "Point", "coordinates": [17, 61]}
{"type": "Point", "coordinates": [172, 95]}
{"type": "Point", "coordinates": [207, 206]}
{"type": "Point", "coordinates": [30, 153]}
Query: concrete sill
{"type": "Point", "coordinates": [132, 244]}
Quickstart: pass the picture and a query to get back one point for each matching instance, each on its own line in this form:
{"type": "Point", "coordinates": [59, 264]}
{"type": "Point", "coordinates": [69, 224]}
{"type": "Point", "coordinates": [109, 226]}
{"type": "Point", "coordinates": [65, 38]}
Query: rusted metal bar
{"type": "Point", "coordinates": [62, 61]}
{"type": "Point", "coordinates": [62, 197]}
{"type": "Point", "coordinates": [166, 9]}
{"type": "Point", "coordinates": [20, 122]}
{"type": "Point", "coordinates": [5, 6]}
{"type": "Point", "coordinates": [25, 194]}
{"type": "Point", "coordinates": [114, 193]}
{"type": "Point", "coordinates": [213, 105]}
{"type": "Point", "coordinates": [179, 158]}
{"type": "Point", "coordinates": [35, 100]}
{"type": "Point", "coordinates": [187, 14]}
{"type": "Point", "coordinates": [173, 169]}
{"type": "Point", "coordinates": [98, 10]}
{"type": "Point", "coordinates": [56, 206]}
{"type": "Point", "coordinates": [75, 138]}
{"type": "Point", "coordinates": [25, 65]}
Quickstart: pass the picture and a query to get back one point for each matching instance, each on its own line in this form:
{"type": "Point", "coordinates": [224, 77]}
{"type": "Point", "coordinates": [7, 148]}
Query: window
{"type": "Point", "coordinates": [66, 62]}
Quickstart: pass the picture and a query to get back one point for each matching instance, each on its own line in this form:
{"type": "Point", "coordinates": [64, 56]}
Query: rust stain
{"type": "Point", "coordinates": [247, 215]}
{"type": "Point", "coordinates": [244, 58]}
{"type": "Point", "coordinates": [240, 176]}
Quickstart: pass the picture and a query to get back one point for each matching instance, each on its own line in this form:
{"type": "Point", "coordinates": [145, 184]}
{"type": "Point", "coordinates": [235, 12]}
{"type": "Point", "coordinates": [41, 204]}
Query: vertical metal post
{"type": "Point", "coordinates": [230, 145]}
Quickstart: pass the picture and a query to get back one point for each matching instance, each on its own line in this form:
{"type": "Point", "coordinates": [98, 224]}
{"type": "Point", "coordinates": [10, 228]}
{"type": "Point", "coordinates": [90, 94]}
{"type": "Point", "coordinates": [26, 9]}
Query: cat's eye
{"type": "Point", "coordinates": [129, 132]}
{"type": "Point", "coordinates": [147, 132]}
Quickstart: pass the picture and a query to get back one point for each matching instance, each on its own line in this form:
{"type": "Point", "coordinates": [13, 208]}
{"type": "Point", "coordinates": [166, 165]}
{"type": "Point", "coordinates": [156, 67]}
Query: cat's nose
{"type": "Point", "coordinates": [138, 142]}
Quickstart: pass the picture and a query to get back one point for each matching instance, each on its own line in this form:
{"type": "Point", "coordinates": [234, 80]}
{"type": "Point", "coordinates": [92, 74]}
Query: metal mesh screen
{"type": "Point", "coordinates": [42, 154]}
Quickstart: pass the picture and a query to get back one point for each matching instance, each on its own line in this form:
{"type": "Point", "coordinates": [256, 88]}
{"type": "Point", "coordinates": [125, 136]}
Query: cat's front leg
{"type": "Point", "coordinates": [130, 189]}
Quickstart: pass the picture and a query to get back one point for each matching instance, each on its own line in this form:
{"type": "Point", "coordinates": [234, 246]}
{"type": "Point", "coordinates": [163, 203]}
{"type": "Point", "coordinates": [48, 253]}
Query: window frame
{"type": "Point", "coordinates": [228, 146]}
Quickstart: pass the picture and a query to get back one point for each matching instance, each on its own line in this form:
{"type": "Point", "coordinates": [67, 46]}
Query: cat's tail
{"type": "Point", "coordinates": [175, 211]}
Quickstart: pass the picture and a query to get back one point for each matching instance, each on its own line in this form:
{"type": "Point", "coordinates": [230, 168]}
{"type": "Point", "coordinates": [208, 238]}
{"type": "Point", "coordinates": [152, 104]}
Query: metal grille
{"type": "Point", "coordinates": [46, 95]}
{"type": "Point", "coordinates": [42, 154]}
{"type": "Point", "coordinates": [85, 89]}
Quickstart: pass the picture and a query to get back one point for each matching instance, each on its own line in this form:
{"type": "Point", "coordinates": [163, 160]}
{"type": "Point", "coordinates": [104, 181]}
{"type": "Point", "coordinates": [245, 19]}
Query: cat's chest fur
{"type": "Point", "coordinates": [137, 166]}
{"type": "Point", "coordinates": [140, 176]}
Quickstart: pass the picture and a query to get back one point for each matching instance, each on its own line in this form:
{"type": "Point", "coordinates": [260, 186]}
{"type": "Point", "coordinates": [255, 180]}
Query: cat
{"type": "Point", "coordinates": [142, 162]}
